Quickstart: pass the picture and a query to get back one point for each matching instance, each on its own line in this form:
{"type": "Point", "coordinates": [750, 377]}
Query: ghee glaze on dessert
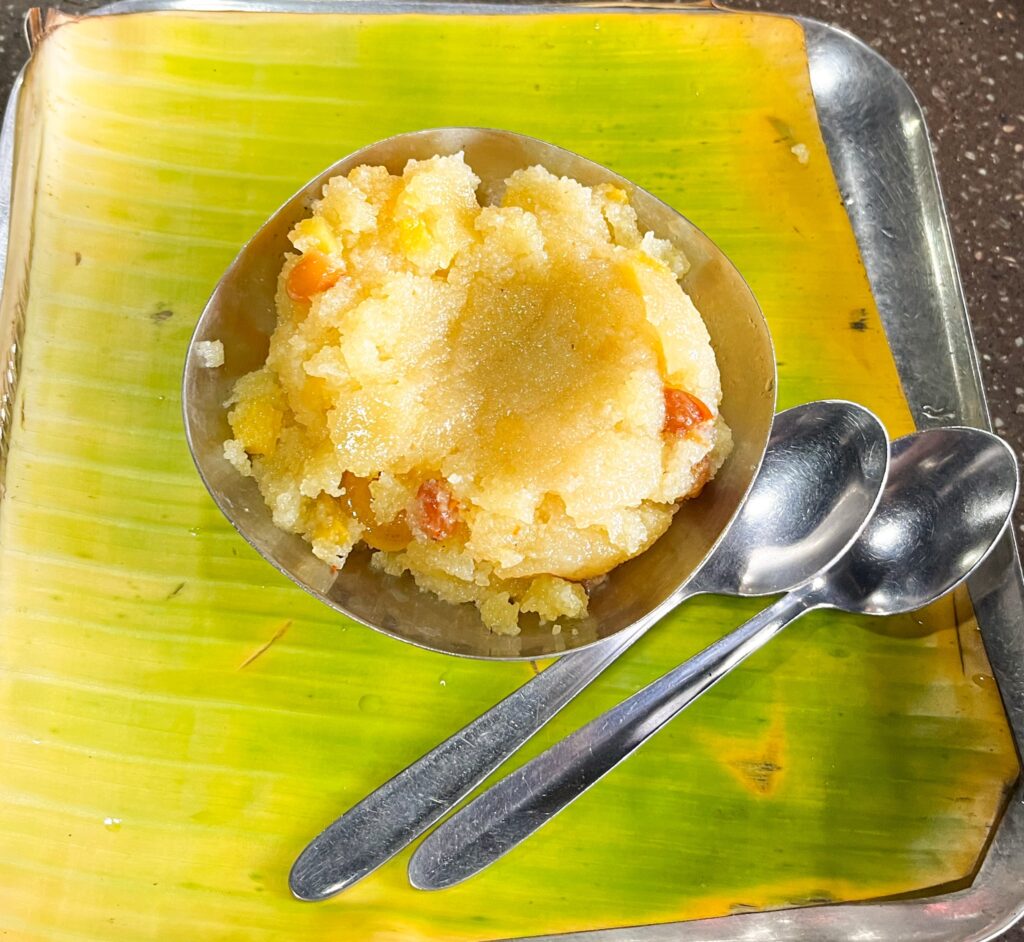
{"type": "Point", "coordinates": [504, 401]}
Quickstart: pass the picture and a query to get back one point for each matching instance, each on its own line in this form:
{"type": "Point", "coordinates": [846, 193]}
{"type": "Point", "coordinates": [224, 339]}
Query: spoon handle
{"type": "Point", "coordinates": [398, 812]}
{"type": "Point", "coordinates": [510, 811]}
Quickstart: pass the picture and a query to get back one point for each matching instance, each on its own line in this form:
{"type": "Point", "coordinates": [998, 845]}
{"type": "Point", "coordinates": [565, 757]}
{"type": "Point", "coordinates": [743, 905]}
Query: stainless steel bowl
{"type": "Point", "coordinates": [241, 314]}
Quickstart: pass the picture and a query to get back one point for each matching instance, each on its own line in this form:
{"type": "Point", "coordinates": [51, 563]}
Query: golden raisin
{"type": "Point", "coordinates": [683, 411]}
{"type": "Point", "coordinates": [438, 509]}
{"type": "Point", "coordinates": [311, 274]}
{"type": "Point", "coordinates": [391, 536]}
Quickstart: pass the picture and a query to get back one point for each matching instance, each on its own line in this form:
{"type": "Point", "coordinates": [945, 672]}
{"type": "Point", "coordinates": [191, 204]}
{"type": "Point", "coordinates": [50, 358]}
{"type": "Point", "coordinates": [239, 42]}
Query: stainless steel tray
{"type": "Point", "coordinates": [878, 145]}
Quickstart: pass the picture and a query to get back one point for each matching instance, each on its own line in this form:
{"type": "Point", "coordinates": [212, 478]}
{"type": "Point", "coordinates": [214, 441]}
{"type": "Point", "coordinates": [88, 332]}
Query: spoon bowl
{"type": "Point", "coordinates": [821, 479]}
{"type": "Point", "coordinates": [949, 495]}
{"type": "Point", "coordinates": [241, 313]}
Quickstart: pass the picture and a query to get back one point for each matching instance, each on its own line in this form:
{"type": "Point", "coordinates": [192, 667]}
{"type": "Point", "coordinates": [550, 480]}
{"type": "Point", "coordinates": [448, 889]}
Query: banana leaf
{"type": "Point", "coordinates": [177, 720]}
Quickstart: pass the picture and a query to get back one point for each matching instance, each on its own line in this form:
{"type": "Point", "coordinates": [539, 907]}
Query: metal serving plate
{"type": "Point", "coordinates": [878, 145]}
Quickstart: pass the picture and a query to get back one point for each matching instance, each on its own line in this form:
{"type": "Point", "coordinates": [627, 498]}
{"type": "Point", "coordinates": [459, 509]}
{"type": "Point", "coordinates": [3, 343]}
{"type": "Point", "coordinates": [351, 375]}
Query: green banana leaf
{"type": "Point", "coordinates": [177, 720]}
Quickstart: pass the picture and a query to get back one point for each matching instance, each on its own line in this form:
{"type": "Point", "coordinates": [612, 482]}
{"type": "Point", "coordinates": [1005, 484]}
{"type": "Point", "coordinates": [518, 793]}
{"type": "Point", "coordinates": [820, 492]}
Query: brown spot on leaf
{"type": "Point", "coordinates": [266, 647]}
{"type": "Point", "coordinates": [160, 316]}
{"type": "Point", "coordinates": [781, 128]}
{"type": "Point", "coordinates": [860, 320]}
{"type": "Point", "coordinates": [758, 773]}
{"type": "Point", "coordinates": [756, 762]}
{"type": "Point", "coordinates": [738, 908]}
{"type": "Point", "coordinates": [819, 898]}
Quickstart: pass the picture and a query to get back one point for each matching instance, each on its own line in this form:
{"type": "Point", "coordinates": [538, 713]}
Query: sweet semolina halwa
{"type": "Point", "coordinates": [504, 401]}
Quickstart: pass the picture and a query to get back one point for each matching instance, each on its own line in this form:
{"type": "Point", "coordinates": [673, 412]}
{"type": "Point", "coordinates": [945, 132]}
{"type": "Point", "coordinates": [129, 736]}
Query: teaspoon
{"type": "Point", "coordinates": [819, 482]}
{"type": "Point", "coordinates": [948, 498]}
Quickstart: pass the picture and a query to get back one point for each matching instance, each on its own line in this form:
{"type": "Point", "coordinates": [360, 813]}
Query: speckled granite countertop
{"type": "Point", "coordinates": [965, 61]}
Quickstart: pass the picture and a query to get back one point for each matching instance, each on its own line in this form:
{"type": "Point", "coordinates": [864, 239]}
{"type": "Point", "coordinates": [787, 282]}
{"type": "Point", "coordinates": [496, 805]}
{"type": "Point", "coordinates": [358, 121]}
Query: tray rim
{"type": "Point", "coordinates": [903, 224]}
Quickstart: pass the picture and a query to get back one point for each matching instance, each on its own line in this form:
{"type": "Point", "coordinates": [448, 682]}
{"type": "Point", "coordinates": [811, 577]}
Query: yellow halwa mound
{"type": "Point", "coordinates": [504, 401]}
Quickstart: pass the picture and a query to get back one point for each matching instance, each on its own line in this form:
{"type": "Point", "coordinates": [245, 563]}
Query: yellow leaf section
{"type": "Point", "coordinates": [177, 720]}
{"type": "Point", "coordinates": [756, 760]}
